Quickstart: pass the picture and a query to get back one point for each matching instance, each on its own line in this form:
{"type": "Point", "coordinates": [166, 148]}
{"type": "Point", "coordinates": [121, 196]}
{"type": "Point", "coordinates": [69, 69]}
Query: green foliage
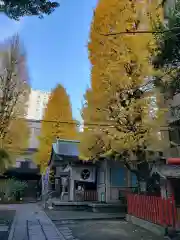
{"type": "Point", "coordinates": [5, 160]}
{"type": "Point", "coordinates": [15, 9]}
{"type": "Point", "coordinates": [14, 88]}
{"type": "Point", "coordinates": [120, 67]}
{"type": "Point", "coordinates": [10, 187]}
{"type": "Point", "coordinates": [168, 56]}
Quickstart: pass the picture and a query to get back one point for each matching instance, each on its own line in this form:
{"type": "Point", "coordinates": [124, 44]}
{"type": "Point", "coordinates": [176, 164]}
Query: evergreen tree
{"type": "Point", "coordinates": [15, 9]}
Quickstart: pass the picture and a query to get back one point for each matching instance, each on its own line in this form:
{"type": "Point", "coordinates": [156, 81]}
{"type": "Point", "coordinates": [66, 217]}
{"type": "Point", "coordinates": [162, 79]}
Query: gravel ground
{"type": "Point", "coordinates": [106, 230]}
{"type": "Point", "coordinates": [82, 215]}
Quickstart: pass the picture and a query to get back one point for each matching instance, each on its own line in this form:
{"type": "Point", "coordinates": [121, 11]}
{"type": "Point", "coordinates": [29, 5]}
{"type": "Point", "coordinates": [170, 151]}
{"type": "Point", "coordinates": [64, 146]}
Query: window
{"type": "Point", "coordinates": [118, 177]}
{"type": "Point", "coordinates": [28, 163]}
{"type": "Point", "coordinates": [33, 165]}
{"type": "Point", "coordinates": [133, 180]}
{"type": "Point", "coordinates": [174, 135]}
{"type": "Point", "coordinates": [24, 164]}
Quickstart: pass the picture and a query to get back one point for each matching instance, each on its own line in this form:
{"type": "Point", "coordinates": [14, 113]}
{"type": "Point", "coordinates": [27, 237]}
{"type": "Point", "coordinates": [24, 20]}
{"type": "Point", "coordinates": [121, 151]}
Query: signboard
{"type": "Point", "coordinates": [84, 174]}
{"type": "Point", "coordinates": [173, 161]}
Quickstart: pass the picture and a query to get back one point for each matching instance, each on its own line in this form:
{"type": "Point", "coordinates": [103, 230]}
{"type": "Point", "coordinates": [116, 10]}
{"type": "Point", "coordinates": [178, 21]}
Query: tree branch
{"type": "Point", "coordinates": [139, 32]}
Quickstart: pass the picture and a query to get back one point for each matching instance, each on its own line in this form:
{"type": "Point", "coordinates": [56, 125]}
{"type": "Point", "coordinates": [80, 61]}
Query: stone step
{"type": "Point", "coordinates": [91, 207]}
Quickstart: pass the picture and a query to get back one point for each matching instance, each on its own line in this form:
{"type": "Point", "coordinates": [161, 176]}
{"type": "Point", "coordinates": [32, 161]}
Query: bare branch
{"type": "Point", "coordinates": [13, 84]}
{"type": "Point", "coordinates": [140, 32]}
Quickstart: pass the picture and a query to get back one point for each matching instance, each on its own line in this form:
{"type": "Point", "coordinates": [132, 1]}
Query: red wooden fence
{"type": "Point", "coordinates": [90, 196]}
{"type": "Point", "coordinates": [153, 209]}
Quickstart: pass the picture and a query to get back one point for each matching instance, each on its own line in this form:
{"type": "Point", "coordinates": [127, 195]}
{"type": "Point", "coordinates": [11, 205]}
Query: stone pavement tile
{"type": "Point", "coordinates": [51, 231]}
{"type": "Point", "coordinates": [54, 236]}
{"type": "Point", "coordinates": [69, 237]}
{"type": "Point", "coordinates": [66, 232]}
{"type": "Point", "coordinates": [35, 231]}
{"type": "Point", "coordinates": [20, 232]}
{"type": "Point", "coordinates": [63, 228]}
{"type": "Point", "coordinates": [32, 221]}
{"type": "Point", "coordinates": [36, 237]}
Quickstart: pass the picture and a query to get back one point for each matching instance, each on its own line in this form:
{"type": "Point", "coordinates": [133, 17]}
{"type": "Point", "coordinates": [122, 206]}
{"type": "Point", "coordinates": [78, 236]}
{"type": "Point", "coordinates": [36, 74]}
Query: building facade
{"type": "Point", "coordinates": [78, 180]}
{"type": "Point", "coordinates": [24, 167]}
{"type": "Point", "coordinates": [35, 127]}
{"type": "Point", "coordinates": [37, 103]}
{"type": "Point", "coordinates": [173, 131]}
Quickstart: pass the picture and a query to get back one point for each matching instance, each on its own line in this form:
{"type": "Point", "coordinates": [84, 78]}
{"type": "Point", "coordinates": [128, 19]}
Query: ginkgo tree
{"type": "Point", "coordinates": [14, 94]}
{"type": "Point", "coordinates": [126, 125]}
{"type": "Point", "coordinates": [57, 123]}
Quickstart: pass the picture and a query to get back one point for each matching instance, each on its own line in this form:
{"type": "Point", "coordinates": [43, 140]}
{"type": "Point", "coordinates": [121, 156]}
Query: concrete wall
{"type": "Point", "coordinates": [173, 115]}
{"type": "Point", "coordinates": [35, 127]}
{"type": "Point", "coordinates": [37, 103]}
{"type": "Point", "coordinates": [174, 108]}
{"type": "Point", "coordinates": [101, 181]}
{"type": "Point", "coordinates": [23, 158]}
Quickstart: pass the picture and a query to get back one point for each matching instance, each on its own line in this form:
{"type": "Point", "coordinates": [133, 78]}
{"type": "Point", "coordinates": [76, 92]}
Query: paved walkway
{"type": "Point", "coordinates": [31, 223]}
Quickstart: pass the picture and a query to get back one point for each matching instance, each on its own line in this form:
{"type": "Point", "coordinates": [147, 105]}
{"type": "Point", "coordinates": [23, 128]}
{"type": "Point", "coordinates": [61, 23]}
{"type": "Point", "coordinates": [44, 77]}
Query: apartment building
{"type": "Point", "coordinates": [24, 167]}
{"type": "Point", "coordinates": [173, 131]}
{"type": "Point", "coordinates": [27, 156]}
{"type": "Point", "coordinates": [37, 103]}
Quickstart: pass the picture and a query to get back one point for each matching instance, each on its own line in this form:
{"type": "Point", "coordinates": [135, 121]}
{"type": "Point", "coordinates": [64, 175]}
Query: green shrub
{"type": "Point", "coordinates": [10, 188]}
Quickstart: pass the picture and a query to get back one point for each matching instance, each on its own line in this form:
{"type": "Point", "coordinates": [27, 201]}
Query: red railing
{"type": "Point", "coordinates": [91, 196]}
{"type": "Point", "coordinates": [154, 209]}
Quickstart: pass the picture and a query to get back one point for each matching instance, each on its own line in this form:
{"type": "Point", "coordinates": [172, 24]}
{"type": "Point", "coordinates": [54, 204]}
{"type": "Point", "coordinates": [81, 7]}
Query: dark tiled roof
{"type": "Point", "coordinates": [168, 171]}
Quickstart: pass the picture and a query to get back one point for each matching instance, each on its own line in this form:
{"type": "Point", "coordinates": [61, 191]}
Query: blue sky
{"type": "Point", "coordinates": [56, 48]}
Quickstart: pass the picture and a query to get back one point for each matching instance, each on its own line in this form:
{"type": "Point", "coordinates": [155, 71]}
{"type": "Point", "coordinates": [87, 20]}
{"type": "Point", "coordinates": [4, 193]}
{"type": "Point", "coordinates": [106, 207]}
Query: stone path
{"type": "Point", "coordinates": [31, 223]}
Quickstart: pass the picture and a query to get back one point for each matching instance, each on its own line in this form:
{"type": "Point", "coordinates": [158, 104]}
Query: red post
{"type": "Point", "coordinates": [170, 210]}
{"type": "Point", "coordinates": [157, 210]}
{"type": "Point", "coordinates": [153, 210]}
